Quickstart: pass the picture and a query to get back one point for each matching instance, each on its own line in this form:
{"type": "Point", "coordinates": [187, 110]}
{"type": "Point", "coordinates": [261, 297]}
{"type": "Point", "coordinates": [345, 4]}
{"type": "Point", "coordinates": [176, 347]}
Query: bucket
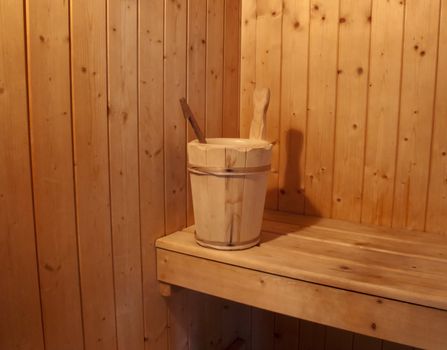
{"type": "Point", "coordinates": [229, 183]}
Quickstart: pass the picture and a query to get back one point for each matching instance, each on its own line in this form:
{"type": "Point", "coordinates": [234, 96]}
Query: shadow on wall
{"type": "Point", "coordinates": [291, 195]}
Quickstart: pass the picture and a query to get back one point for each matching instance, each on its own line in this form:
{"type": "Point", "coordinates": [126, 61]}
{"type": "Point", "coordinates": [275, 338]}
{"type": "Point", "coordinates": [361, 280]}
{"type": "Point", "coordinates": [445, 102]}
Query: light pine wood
{"type": "Point", "coordinates": [230, 127]}
{"type": "Point", "coordinates": [124, 171]}
{"type": "Point", "coordinates": [20, 315]}
{"type": "Point", "coordinates": [71, 63]}
{"type": "Point", "coordinates": [89, 101]}
{"type": "Point", "coordinates": [373, 315]}
{"type": "Point", "coordinates": [174, 123]}
{"type": "Point", "coordinates": [228, 209]}
{"type": "Point", "coordinates": [416, 114]}
{"type": "Point", "coordinates": [175, 72]}
{"type": "Point", "coordinates": [196, 85]}
{"type": "Point", "coordinates": [247, 66]}
{"type": "Point", "coordinates": [214, 67]}
{"type": "Point", "coordinates": [151, 163]}
{"type": "Point", "coordinates": [294, 68]}
{"type": "Point", "coordinates": [383, 111]}
{"type": "Point", "coordinates": [321, 106]}
{"type": "Point", "coordinates": [436, 220]}
{"type": "Point", "coordinates": [268, 63]}
{"type": "Point", "coordinates": [353, 71]}
{"type": "Point", "coordinates": [52, 171]}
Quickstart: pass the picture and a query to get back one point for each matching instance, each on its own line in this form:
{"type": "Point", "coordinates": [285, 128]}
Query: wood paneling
{"type": "Point", "coordinates": [20, 320]}
{"type": "Point", "coordinates": [416, 113]}
{"type": "Point", "coordinates": [151, 149]}
{"type": "Point", "coordinates": [106, 141]}
{"type": "Point", "coordinates": [383, 111]}
{"type": "Point", "coordinates": [437, 196]}
{"type": "Point", "coordinates": [52, 170]}
{"type": "Point", "coordinates": [361, 114]}
{"type": "Point", "coordinates": [374, 111]}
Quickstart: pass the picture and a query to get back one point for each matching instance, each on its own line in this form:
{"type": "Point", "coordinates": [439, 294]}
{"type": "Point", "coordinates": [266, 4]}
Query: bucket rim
{"type": "Point", "coordinates": [225, 142]}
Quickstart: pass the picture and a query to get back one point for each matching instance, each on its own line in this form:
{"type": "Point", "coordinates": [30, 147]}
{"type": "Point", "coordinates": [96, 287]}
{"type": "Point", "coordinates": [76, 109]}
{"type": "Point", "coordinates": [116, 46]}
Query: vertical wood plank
{"type": "Point", "coordinates": [151, 160]}
{"type": "Point", "coordinates": [174, 128]}
{"type": "Point", "coordinates": [124, 171]}
{"type": "Point", "coordinates": [196, 80]}
{"type": "Point", "coordinates": [214, 67]}
{"type": "Point", "coordinates": [312, 336]}
{"type": "Point", "coordinates": [52, 159]}
{"type": "Point", "coordinates": [175, 50]}
{"type": "Point", "coordinates": [236, 323]}
{"type": "Point", "coordinates": [247, 65]}
{"type": "Point", "coordinates": [363, 342]}
{"type": "Point", "coordinates": [321, 106]}
{"type": "Point", "coordinates": [437, 196]}
{"type": "Point", "coordinates": [394, 346]}
{"type": "Point", "coordinates": [89, 100]}
{"type": "Point", "coordinates": [383, 111]}
{"type": "Point", "coordinates": [286, 332]}
{"type": "Point", "coordinates": [353, 70]}
{"type": "Point", "coordinates": [20, 317]}
{"type": "Point", "coordinates": [262, 329]}
{"type": "Point", "coordinates": [338, 339]}
{"type": "Point", "coordinates": [294, 68]}
{"type": "Point", "coordinates": [268, 70]}
{"type": "Point", "coordinates": [205, 326]}
{"type": "Point", "coordinates": [231, 68]}
{"type": "Point", "coordinates": [416, 116]}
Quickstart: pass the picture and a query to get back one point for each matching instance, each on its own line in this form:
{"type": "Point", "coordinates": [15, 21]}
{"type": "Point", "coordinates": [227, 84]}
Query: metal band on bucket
{"type": "Point", "coordinates": [220, 171]}
{"type": "Point", "coordinates": [251, 242]}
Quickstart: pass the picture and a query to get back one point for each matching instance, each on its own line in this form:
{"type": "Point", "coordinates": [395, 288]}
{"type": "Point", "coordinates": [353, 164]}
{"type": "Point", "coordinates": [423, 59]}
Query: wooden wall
{"type": "Point", "coordinates": [92, 154]}
{"type": "Point", "coordinates": [358, 115]}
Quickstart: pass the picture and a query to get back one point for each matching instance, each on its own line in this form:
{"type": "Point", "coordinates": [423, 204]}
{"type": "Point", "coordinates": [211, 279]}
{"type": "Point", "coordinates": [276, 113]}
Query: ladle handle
{"type": "Point", "coordinates": [261, 99]}
{"type": "Point", "coordinates": [190, 117]}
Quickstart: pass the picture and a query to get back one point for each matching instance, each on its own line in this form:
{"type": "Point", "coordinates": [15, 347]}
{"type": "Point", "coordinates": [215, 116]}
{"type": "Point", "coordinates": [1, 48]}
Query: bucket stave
{"type": "Point", "coordinates": [228, 183]}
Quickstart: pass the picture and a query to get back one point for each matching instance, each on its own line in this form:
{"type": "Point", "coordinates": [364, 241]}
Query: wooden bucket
{"type": "Point", "coordinates": [228, 183]}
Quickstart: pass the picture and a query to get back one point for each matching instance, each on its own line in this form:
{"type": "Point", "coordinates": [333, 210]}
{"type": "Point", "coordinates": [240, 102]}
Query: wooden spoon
{"type": "Point", "coordinates": [261, 99]}
{"type": "Point", "coordinates": [190, 117]}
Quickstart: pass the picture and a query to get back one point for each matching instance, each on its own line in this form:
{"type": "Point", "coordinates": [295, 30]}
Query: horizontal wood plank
{"type": "Point", "coordinates": [374, 316]}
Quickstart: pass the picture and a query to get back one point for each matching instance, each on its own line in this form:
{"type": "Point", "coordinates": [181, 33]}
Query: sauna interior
{"type": "Point", "coordinates": [93, 163]}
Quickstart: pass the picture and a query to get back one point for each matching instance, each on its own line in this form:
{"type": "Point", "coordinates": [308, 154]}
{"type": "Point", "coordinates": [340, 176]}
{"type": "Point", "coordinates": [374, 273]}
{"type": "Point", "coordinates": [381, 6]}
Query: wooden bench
{"type": "Point", "coordinates": [385, 283]}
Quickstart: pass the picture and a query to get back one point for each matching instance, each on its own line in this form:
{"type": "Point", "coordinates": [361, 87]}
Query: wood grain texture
{"type": "Point", "coordinates": [214, 67]}
{"type": "Point", "coordinates": [437, 195]}
{"type": "Point", "coordinates": [353, 71]}
{"type": "Point", "coordinates": [416, 115]}
{"type": "Point", "coordinates": [106, 62]}
{"type": "Point", "coordinates": [196, 84]}
{"type": "Point", "coordinates": [89, 101]}
{"type": "Point", "coordinates": [247, 65]}
{"type": "Point", "coordinates": [383, 111]}
{"type": "Point", "coordinates": [52, 169]}
{"type": "Point", "coordinates": [124, 171]}
{"type": "Point", "coordinates": [294, 68]}
{"type": "Point", "coordinates": [174, 124]}
{"type": "Point", "coordinates": [424, 326]}
{"type": "Point", "coordinates": [20, 320]}
{"type": "Point", "coordinates": [321, 106]}
{"type": "Point", "coordinates": [231, 94]}
{"type": "Point", "coordinates": [268, 64]}
{"type": "Point", "coordinates": [175, 64]}
{"type": "Point", "coordinates": [151, 163]}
